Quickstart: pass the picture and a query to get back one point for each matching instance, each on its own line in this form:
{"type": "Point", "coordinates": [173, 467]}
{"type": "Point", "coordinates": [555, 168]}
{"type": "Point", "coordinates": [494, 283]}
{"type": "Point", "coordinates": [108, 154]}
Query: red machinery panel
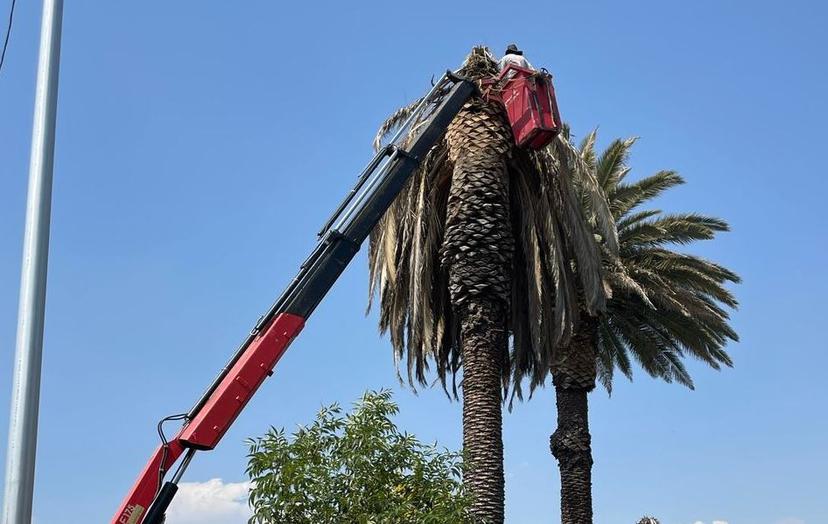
{"type": "Point", "coordinates": [241, 382]}
{"type": "Point", "coordinates": [208, 426]}
{"type": "Point", "coordinates": [138, 500]}
{"type": "Point", "coordinates": [529, 99]}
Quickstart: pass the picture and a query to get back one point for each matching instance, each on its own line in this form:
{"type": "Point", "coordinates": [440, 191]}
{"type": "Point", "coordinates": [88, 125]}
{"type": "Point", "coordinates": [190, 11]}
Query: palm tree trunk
{"type": "Point", "coordinates": [483, 346]}
{"type": "Point", "coordinates": [573, 374]}
{"type": "Point", "coordinates": [571, 446]}
{"type": "Point", "coordinates": [477, 256]}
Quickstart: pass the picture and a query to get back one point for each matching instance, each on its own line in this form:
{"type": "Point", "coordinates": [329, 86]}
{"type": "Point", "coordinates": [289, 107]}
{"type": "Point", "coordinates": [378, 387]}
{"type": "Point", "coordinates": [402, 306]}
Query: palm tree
{"type": "Point", "coordinates": [479, 247]}
{"type": "Point", "coordinates": [663, 306]}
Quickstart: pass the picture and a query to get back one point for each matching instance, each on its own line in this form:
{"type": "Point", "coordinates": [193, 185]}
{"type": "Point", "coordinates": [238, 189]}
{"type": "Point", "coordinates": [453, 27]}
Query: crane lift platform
{"type": "Point", "coordinates": [529, 99]}
{"type": "Point", "coordinates": [530, 104]}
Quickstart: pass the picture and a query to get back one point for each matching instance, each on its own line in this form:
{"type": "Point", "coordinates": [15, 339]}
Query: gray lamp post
{"type": "Point", "coordinates": [20, 460]}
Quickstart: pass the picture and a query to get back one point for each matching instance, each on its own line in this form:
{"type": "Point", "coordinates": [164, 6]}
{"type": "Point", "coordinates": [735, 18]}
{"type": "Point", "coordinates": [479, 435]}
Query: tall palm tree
{"type": "Point", "coordinates": [477, 247]}
{"type": "Point", "coordinates": [664, 305]}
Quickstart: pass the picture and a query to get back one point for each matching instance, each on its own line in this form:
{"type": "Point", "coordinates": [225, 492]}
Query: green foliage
{"type": "Point", "coordinates": [665, 304]}
{"type": "Point", "coordinates": [357, 467]}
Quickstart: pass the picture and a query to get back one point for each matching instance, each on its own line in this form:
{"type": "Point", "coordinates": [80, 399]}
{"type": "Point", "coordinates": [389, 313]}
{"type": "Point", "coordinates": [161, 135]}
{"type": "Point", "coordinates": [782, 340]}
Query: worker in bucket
{"type": "Point", "coordinates": [513, 55]}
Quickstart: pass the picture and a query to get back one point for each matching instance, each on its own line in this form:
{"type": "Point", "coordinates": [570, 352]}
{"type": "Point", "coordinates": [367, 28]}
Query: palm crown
{"type": "Point", "coordinates": [552, 234]}
{"type": "Point", "coordinates": [664, 304]}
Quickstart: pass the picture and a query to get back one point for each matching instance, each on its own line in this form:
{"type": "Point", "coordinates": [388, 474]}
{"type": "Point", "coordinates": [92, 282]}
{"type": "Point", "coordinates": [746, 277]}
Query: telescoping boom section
{"type": "Point", "coordinates": [211, 416]}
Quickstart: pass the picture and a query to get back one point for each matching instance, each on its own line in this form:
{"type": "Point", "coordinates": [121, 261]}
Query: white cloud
{"type": "Point", "coordinates": [211, 502]}
{"type": "Point", "coordinates": [714, 522]}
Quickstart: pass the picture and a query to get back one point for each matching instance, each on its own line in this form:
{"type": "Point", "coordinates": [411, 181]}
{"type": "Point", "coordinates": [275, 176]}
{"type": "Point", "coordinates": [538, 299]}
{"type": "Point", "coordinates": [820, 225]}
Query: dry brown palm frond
{"type": "Point", "coordinates": [402, 254]}
{"type": "Point", "coordinates": [587, 256]}
{"type": "Point", "coordinates": [541, 291]}
{"type": "Point", "coordinates": [479, 64]}
{"type": "Point", "coordinates": [393, 122]}
{"type": "Point", "coordinates": [583, 174]}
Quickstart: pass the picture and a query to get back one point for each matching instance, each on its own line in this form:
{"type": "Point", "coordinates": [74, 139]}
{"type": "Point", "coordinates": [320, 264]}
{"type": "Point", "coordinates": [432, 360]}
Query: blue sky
{"type": "Point", "coordinates": [200, 145]}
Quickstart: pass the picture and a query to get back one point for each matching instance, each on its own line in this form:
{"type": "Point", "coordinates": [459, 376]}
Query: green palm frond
{"type": "Point", "coordinates": [635, 218]}
{"type": "Point", "coordinates": [670, 229]}
{"type": "Point", "coordinates": [626, 197]}
{"type": "Point", "coordinates": [613, 354]}
{"type": "Point", "coordinates": [665, 305]}
{"type": "Point", "coordinates": [587, 149]}
{"type": "Point", "coordinates": [612, 166]}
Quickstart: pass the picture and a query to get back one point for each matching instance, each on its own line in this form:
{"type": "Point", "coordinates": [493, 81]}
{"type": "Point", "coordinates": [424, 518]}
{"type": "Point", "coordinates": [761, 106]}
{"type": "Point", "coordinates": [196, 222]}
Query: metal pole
{"type": "Point", "coordinates": [20, 460]}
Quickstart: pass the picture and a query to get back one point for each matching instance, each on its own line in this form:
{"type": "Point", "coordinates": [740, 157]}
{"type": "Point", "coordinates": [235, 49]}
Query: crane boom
{"type": "Point", "coordinates": [340, 239]}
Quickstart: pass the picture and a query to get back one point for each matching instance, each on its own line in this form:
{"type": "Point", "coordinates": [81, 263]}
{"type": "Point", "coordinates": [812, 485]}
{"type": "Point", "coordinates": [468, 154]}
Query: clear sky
{"type": "Point", "coordinates": [200, 145]}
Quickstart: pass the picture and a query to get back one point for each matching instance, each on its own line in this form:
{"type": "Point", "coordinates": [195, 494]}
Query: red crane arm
{"type": "Point", "coordinates": [340, 238]}
{"type": "Point", "coordinates": [206, 429]}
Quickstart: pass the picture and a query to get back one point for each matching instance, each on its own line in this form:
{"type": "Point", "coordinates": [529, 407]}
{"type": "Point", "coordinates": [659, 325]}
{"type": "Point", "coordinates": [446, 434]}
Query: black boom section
{"type": "Point", "coordinates": [363, 209]}
{"type": "Point", "coordinates": [338, 247]}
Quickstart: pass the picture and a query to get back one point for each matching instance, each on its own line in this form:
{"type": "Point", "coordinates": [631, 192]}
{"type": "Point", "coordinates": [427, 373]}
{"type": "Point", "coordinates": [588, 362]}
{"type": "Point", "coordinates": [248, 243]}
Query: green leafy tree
{"type": "Point", "coordinates": [664, 306]}
{"type": "Point", "coordinates": [356, 467]}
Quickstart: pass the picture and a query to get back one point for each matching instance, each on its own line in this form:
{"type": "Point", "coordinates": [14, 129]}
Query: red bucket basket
{"type": "Point", "coordinates": [529, 99]}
